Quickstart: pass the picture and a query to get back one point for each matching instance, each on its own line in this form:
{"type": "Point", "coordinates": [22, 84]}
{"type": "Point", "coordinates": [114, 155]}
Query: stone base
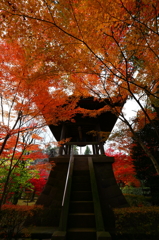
{"type": "Point", "coordinates": [109, 193]}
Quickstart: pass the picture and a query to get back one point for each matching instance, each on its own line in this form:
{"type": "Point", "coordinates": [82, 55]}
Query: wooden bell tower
{"type": "Point", "coordinates": [81, 190]}
{"type": "Point", "coordinates": [79, 131]}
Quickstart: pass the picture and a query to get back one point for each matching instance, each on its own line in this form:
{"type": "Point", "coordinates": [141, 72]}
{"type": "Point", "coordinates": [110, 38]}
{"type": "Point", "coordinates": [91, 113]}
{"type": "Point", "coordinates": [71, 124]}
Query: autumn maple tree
{"type": "Point", "coordinates": [20, 121]}
{"type": "Point", "coordinates": [123, 168]}
{"type": "Point", "coordinates": [38, 183]}
{"type": "Point", "coordinates": [16, 165]}
{"type": "Point", "coordinates": [108, 49]}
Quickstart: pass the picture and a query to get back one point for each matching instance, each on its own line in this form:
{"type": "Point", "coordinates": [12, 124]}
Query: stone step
{"type": "Point", "coordinates": [81, 196]}
{"type": "Point", "coordinates": [81, 234]}
{"type": "Point", "coordinates": [81, 172]}
{"type": "Point", "coordinates": [81, 220]}
{"type": "Point", "coordinates": [85, 186]}
{"type": "Point", "coordinates": [81, 166]}
{"type": "Point", "coordinates": [81, 207]}
{"type": "Point", "coordinates": [81, 179]}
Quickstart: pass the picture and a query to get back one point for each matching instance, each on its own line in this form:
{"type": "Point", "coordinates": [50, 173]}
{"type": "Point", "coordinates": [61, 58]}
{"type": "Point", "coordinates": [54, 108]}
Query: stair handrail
{"type": "Point", "coordinates": [96, 200]}
{"type": "Point", "coordinates": [66, 196]}
{"type": "Point", "coordinates": [100, 229]}
{"type": "Point", "coordinates": [66, 183]}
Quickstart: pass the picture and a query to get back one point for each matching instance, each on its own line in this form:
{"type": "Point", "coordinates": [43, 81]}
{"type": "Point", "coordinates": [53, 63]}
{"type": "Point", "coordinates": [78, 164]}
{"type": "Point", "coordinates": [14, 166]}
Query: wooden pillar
{"type": "Point", "coordinates": [94, 149]}
{"type": "Point", "coordinates": [67, 149]}
{"type": "Point", "coordinates": [63, 134]}
{"type": "Point", "coordinates": [99, 140]}
{"type": "Point", "coordinates": [97, 149]}
{"type": "Point", "coordinates": [101, 148]}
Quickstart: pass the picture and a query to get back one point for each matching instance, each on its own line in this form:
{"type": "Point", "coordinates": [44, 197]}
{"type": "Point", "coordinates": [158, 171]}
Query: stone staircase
{"type": "Point", "coordinates": [81, 217]}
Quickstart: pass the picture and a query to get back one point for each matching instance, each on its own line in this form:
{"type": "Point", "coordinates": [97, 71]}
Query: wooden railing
{"type": "Point", "coordinates": [100, 229]}
{"type": "Point", "coordinates": [68, 177]}
{"type": "Point", "coordinates": [61, 233]}
{"type": "Point", "coordinates": [66, 197]}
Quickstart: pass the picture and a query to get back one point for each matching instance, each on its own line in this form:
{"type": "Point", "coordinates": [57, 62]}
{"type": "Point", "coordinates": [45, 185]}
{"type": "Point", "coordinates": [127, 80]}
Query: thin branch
{"type": "Point", "coordinates": [2, 109]}
{"type": "Point", "coordinates": [138, 21]}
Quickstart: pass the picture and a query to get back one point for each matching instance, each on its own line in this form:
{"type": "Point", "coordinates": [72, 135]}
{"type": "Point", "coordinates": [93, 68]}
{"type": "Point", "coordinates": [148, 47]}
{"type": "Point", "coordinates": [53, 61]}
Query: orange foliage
{"type": "Point", "coordinates": [81, 47]}
{"type": "Point", "coordinates": [54, 49]}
